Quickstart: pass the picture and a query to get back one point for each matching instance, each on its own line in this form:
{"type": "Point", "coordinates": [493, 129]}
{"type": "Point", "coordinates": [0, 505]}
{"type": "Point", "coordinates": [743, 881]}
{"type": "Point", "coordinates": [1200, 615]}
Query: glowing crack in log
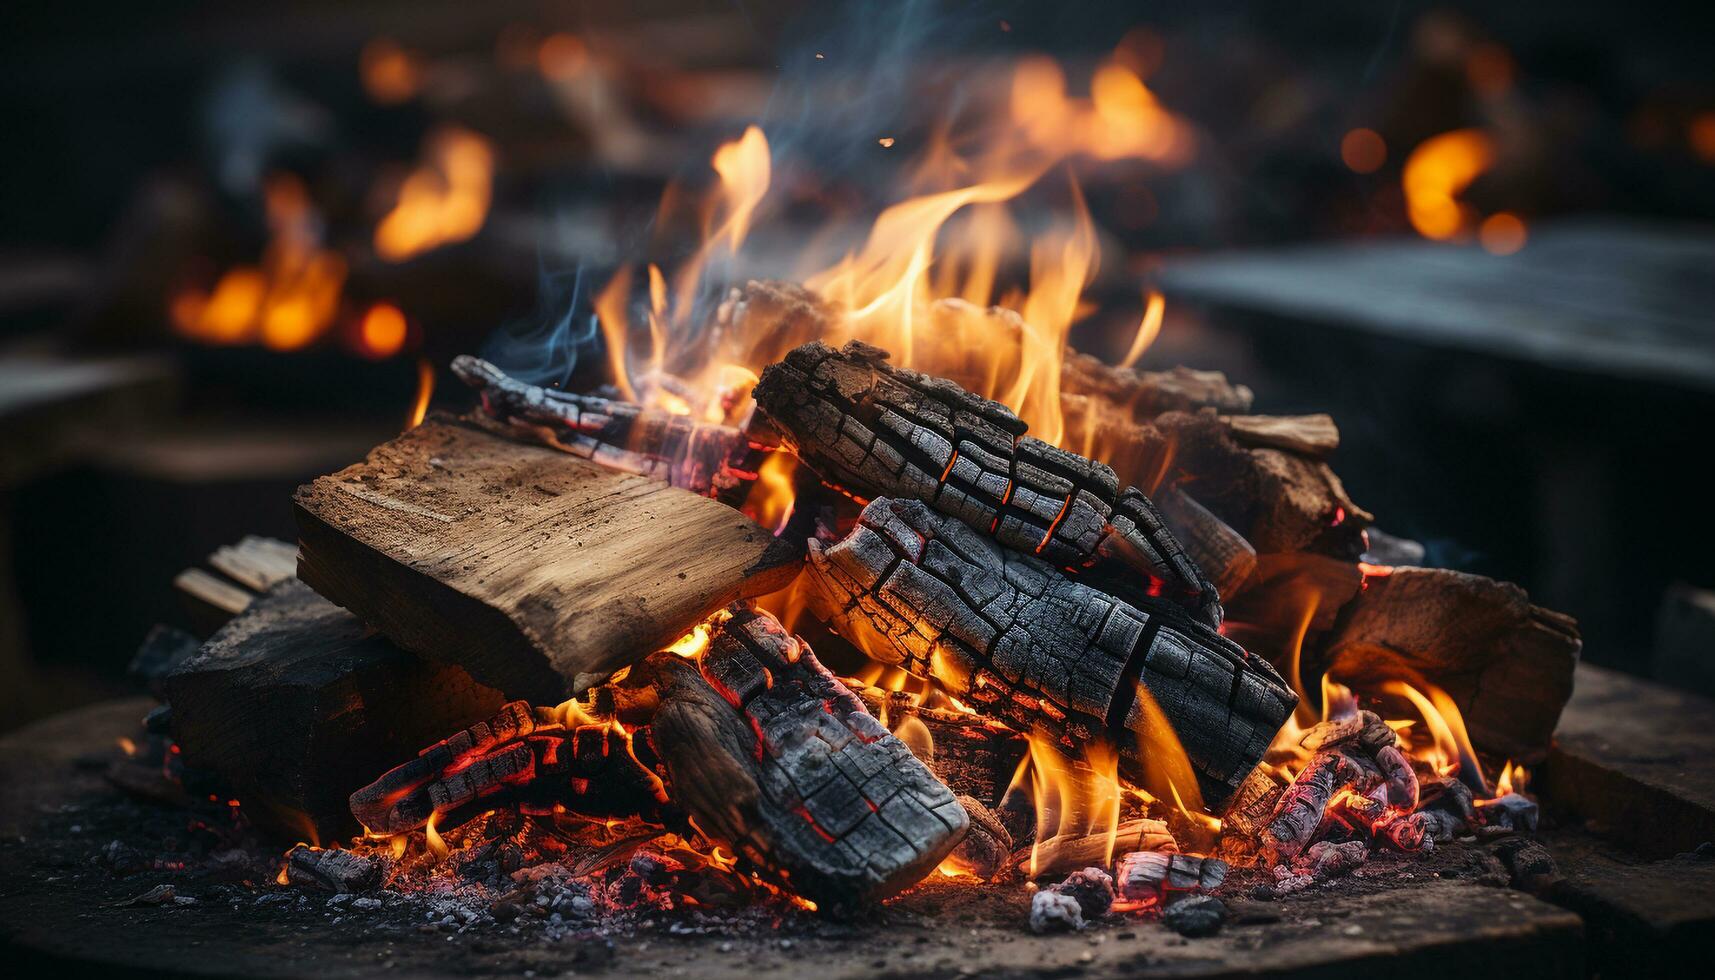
{"type": "Point", "coordinates": [771, 754]}
{"type": "Point", "coordinates": [1013, 637]}
{"type": "Point", "coordinates": [875, 430]}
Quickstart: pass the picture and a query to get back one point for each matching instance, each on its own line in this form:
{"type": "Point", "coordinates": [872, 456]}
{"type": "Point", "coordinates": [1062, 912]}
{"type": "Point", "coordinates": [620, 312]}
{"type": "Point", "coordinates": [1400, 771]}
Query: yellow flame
{"type": "Point", "coordinates": [437, 846]}
{"type": "Point", "coordinates": [745, 170]}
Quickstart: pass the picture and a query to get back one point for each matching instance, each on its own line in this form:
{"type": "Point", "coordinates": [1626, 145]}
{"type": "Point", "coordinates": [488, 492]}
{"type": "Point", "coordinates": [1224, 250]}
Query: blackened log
{"type": "Point", "coordinates": [538, 572]}
{"type": "Point", "coordinates": [987, 845]}
{"type": "Point", "coordinates": [704, 458]}
{"type": "Point", "coordinates": [1506, 663]}
{"type": "Point", "coordinates": [973, 755]}
{"type": "Point", "coordinates": [772, 755]}
{"type": "Point", "coordinates": [1013, 637]}
{"type": "Point", "coordinates": [532, 758]}
{"type": "Point", "coordinates": [337, 871]}
{"type": "Point", "coordinates": [1221, 552]}
{"type": "Point", "coordinates": [296, 703]}
{"type": "Point", "coordinates": [879, 431]}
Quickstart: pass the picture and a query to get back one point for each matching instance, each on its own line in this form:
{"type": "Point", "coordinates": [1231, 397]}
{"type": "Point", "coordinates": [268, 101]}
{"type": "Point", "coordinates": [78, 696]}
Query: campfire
{"type": "Point", "coordinates": [826, 592]}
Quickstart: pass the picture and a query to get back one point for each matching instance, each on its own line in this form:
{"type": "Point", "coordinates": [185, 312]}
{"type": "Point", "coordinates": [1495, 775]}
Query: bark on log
{"type": "Point", "coordinates": [1314, 436]}
{"type": "Point", "coordinates": [697, 456]}
{"type": "Point", "coordinates": [771, 754]}
{"type": "Point", "coordinates": [1507, 664]}
{"type": "Point", "coordinates": [1221, 552]}
{"type": "Point", "coordinates": [1281, 501]}
{"type": "Point", "coordinates": [295, 704]}
{"type": "Point", "coordinates": [875, 431]}
{"type": "Point", "coordinates": [538, 572]}
{"type": "Point", "coordinates": [1011, 636]}
{"type": "Point", "coordinates": [1150, 393]}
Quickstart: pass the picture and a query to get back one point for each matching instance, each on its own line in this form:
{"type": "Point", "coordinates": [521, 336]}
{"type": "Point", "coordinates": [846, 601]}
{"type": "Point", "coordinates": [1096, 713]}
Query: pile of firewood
{"type": "Point", "coordinates": [554, 549]}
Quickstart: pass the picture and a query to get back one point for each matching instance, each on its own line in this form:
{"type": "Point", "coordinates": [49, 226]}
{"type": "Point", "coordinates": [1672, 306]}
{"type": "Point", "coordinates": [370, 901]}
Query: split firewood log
{"type": "Point", "coordinates": [1280, 500]}
{"type": "Point", "coordinates": [538, 572]}
{"type": "Point", "coordinates": [1013, 637]}
{"type": "Point", "coordinates": [1221, 552]}
{"type": "Point", "coordinates": [771, 754]}
{"type": "Point", "coordinates": [698, 456]}
{"type": "Point", "coordinates": [296, 703]}
{"type": "Point", "coordinates": [875, 430]}
{"type": "Point", "coordinates": [1147, 394]}
{"type": "Point", "coordinates": [1506, 663]}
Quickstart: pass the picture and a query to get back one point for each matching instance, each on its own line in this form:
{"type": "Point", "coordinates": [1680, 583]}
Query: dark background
{"type": "Point", "coordinates": [127, 128]}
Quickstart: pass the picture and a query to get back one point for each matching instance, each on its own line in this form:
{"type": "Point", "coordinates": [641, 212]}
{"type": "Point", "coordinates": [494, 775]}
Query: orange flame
{"type": "Point", "coordinates": [425, 388]}
{"type": "Point", "coordinates": [391, 74]}
{"type": "Point", "coordinates": [444, 200]}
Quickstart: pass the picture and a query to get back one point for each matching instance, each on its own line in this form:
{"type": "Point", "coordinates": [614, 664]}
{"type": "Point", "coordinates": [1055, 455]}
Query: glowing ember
{"type": "Point", "coordinates": [1436, 173]}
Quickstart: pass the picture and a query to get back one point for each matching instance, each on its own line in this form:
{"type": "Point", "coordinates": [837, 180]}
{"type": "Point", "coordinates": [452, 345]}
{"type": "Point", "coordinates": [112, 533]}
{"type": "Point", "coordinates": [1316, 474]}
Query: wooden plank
{"type": "Point", "coordinates": [256, 562]}
{"type": "Point", "coordinates": [539, 572]}
{"type": "Point", "coordinates": [1638, 759]}
{"type": "Point", "coordinates": [1613, 298]}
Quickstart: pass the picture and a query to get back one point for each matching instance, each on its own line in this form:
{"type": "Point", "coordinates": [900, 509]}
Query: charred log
{"type": "Point", "coordinates": [525, 757]}
{"type": "Point", "coordinates": [708, 459]}
{"type": "Point", "coordinates": [296, 703]}
{"type": "Point", "coordinates": [876, 430]}
{"type": "Point", "coordinates": [1010, 635]}
{"type": "Point", "coordinates": [771, 754]}
{"type": "Point", "coordinates": [1507, 664]}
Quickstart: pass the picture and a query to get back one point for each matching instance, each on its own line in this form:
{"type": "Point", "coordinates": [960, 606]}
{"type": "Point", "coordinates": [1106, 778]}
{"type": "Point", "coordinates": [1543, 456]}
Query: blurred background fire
{"type": "Point", "coordinates": [241, 243]}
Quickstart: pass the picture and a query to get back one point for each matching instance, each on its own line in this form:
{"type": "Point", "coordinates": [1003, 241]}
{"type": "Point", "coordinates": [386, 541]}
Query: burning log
{"type": "Point", "coordinates": [708, 459]}
{"type": "Point", "coordinates": [529, 757]}
{"type": "Point", "coordinates": [771, 754]}
{"type": "Point", "coordinates": [295, 704]}
{"type": "Point", "coordinates": [1160, 877]}
{"type": "Point", "coordinates": [1221, 552]}
{"type": "Point", "coordinates": [987, 844]}
{"type": "Point", "coordinates": [341, 872]}
{"type": "Point", "coordinates": [875, 430]}
{"type": "Point", "coordinates": [1012, 636]}
{"type": "Point", "coordinates": [1280, 500]}
{"type": "Point", "coordinates": [1065, 852]}
{"type": "Point", "coordinates": [1355, 751]}
{"type": "Point", "coordinates": [1505, 663]}
{"type": "Point", "coordinates": [974, 756]}
{"type": "Point", "coordinates": [538, 572]}
{"type": "Point", "coordinates": [1150, 393]}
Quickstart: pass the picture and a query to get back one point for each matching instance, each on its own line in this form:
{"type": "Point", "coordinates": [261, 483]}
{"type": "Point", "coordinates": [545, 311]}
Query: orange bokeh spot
{"type": "Point", "coordinates": [1363, 151]}
{"type": "Point", "coordinates": [382, 331]}
{"type": "Point", "coordinates": [1701, 135]}
{"type": "Point", "coordinates": [1502, 233]}
{"type": "Point", "coordinates": [561, 56]}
